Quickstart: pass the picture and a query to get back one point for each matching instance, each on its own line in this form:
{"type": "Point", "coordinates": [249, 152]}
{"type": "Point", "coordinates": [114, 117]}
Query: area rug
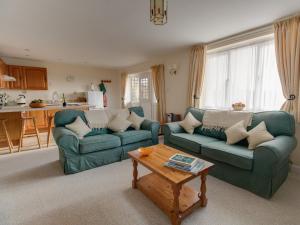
{"type": "Point", "coordinates": [34, 191]}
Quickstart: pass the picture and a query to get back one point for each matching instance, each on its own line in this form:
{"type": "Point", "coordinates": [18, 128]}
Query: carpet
{"type": "Point", "coordinates": [34, 191]}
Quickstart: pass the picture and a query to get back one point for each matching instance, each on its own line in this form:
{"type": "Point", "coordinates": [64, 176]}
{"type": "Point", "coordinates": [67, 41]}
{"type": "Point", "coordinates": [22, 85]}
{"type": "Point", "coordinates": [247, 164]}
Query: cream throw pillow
{"type": "Point", "coordinates": [79, 127]}
{"type": "Point", "coordinates": [135, 120]}
{"type": "Point", "coordinates": [236, 133]}
{"type": "Point", "coordinates": [96, 118]}
{"type": "Point", "coordinates": [258, 135]}
{"type": "Point", "coordinates": [189, 123]}
{"type": "Point", "coordinates": [119, 124]}
{"type": "Point", "coordinates": [112, 113]}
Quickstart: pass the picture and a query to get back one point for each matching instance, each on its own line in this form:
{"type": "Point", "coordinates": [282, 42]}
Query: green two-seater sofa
{"type": "Point", "coordinates": [260, 171]}
{"type": "Point", "coordinates": [101, 146]}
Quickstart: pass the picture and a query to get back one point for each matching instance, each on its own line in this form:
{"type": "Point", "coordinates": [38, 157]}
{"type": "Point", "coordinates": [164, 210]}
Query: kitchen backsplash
{"type": "Point", "coordinates": [44, 95]}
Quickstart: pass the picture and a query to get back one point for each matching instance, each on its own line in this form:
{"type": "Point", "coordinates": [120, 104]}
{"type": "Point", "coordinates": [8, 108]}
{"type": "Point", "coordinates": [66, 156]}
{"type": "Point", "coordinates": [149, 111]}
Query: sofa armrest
{"type": "Point", "coordinates": [152, 126]}
{"type": "Point", "coordinates": [269, 155]}
{"type": "Point", "coordinates": [170, 128]}
{"type": "Point", "coordinates": [66, 140]}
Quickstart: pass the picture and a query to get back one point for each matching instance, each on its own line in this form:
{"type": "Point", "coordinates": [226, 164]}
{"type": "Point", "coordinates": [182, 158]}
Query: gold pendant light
{"type": "Point", "coordinates": [158, 11]}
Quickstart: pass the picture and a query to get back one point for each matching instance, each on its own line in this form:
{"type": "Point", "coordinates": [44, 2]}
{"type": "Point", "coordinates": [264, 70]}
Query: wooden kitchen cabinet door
{"type": "Point", "coordinates": [35, 78]}
{"type": "Point", "coordinates": [3, 70]}
{"type": "Point", "coordinates": [16, 72]}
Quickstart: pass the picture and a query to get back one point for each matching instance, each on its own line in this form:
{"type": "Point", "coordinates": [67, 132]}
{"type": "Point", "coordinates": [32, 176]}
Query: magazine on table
{"type": "Point", "coordinates": [193, 170]}
{"type": "Point", "coordinates": [183, 160]}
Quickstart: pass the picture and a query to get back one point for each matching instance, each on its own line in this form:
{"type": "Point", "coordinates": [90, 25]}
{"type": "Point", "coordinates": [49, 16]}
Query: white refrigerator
{"type": "Point", "coordinates": [95, 99]}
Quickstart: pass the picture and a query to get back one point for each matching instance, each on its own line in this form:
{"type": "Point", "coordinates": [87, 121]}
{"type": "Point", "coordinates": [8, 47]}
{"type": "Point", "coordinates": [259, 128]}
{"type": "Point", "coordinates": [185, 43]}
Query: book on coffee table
{"type": "Point", "coordinates": [183, 160]}
{"type": "Point", "coordinates": [193, 170]}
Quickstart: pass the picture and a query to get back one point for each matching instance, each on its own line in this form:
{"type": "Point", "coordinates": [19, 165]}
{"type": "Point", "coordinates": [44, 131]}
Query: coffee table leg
{"type": "Point", "coordinates": [203, 199]}
{"type": "Point", "coordinates": [176, 220]}
{"type": "Point", "coordinates": [135, 174]}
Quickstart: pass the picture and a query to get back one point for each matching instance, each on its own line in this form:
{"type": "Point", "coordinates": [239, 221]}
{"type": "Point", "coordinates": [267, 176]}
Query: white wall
{"type": "Point", "coordinates": [177, 87]}
{"type": "Point", "coordinates": [57, 73]}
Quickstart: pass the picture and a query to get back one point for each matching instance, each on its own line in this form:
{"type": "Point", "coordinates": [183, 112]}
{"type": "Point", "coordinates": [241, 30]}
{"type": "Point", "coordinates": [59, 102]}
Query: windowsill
{"type": "Point", "coordinates": [245, 110]}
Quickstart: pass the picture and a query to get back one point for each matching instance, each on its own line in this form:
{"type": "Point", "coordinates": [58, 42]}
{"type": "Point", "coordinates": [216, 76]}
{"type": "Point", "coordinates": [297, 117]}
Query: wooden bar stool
{"type": "Point", "coordinates": [50, 120]}
{"type": "Point", "coordinates": [22, 133]}
{"type": "Point", "coordinates": [10, 145]}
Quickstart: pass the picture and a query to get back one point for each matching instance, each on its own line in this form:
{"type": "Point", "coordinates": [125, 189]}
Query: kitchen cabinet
{"type": "Point", "coordinates": [35, 78]}
{"type": "Point", "coordinates": [3, 67]}
{"type": "Point", "coordinates": [3, 70]}
{"type": "Point", "coordinates": [17, 73]}
{"type": "Point", "coordinates": [27, 78]}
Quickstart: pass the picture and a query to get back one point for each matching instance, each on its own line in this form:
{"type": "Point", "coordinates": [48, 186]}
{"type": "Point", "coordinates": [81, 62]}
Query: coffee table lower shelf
{"type": "Point", "coordinates": [161, 192]}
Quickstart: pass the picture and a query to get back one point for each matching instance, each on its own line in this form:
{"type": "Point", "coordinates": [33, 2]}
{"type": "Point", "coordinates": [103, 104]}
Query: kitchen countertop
{"type": "Point", "coordinates": [7, 109]}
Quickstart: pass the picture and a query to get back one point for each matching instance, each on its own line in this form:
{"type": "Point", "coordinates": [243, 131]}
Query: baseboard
{"type": "Point", "coordinates": [295, 169]}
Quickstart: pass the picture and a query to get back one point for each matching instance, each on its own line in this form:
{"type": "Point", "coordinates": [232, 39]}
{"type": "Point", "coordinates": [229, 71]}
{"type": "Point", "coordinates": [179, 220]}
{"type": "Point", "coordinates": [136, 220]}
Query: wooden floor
{"type": "Point", "coordinates": [30, 143]}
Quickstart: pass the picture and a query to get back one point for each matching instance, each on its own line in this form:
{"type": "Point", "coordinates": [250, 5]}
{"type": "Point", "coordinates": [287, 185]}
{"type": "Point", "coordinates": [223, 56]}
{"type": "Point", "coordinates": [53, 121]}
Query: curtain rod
{"type": "Point", "coordinates": [287, 17]}
{"type": "Point", "coordinates": [241, 36]}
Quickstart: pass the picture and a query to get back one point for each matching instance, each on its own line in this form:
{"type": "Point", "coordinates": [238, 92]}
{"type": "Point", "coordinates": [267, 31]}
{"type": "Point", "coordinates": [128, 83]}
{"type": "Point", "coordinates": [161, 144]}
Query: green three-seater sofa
{"type": "Point", "coordinates": [101, 146]}
{"type": "Point", "coordinates": [261, 171]}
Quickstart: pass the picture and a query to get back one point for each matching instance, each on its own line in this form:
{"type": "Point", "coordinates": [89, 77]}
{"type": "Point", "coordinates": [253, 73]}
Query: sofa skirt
{"type": "Point", "coordinates": [77, 163]}
{"type": "Point", "coordinates": [264, 186]}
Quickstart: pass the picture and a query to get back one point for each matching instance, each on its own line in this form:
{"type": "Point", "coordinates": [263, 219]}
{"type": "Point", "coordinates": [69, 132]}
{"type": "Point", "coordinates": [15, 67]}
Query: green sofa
{"type": "Point", "coordinates": [101, 146]}
{"type": "Point", "coordinates": [261, 171]}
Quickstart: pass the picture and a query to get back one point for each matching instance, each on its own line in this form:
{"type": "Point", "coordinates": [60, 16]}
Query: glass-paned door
{"type": "Point", "coordinates": [139, 92]}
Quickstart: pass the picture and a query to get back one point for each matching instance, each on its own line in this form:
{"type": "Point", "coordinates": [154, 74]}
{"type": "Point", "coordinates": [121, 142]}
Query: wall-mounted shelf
{"type": "Point", "coordinates": [106, 81]}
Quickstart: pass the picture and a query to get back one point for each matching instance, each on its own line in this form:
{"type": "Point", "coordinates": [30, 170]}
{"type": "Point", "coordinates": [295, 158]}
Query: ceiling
{"type": "Point", "coordinates": [117, 33]}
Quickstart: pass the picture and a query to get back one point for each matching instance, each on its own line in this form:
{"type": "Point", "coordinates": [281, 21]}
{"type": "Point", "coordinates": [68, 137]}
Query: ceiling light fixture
{"type": "Point", "coordinates": [158, 11]}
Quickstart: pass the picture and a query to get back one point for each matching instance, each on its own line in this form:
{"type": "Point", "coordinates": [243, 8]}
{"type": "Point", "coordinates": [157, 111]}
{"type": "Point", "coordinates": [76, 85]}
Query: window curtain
{"type": "Point", "coordinates": [196, 74]}
{"type": "Point", "coordinates": [245, 74]}
{"type": "Point", "coordinates": [123, 88]}
{"type": "Point", "coordinates": [158, 79]}
{"type": "Point", "coordinates": [287, 45]}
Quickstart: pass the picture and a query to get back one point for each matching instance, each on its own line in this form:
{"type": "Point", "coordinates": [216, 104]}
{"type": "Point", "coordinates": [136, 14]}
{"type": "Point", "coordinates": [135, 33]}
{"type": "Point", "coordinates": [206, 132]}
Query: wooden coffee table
{"type": "Point", "coordinates": [166, 186]}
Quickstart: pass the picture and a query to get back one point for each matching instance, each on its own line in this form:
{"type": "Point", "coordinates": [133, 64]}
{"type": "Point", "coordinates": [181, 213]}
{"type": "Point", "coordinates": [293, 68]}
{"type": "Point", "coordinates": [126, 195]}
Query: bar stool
{"type": "Point", "coordinates": [50, 120]}
{"type": "Point", "coordinates": [10, 145]}
{"type": "Point", "coordinates": [25, 118]}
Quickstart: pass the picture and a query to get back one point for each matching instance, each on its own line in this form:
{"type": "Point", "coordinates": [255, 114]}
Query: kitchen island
{"type": "Point", "coordinates": [8, 109]}
{"type": "Point", "coordinates": [13, 115]}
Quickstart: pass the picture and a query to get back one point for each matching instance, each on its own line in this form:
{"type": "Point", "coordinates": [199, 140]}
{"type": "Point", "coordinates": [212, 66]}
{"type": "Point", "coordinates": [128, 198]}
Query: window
{"type": "Point", "coordinates": [247, 73]}
{"type": "Point", "coordinates": [134, 89]}
{"type": "Point", "coordinates": [139, 92]}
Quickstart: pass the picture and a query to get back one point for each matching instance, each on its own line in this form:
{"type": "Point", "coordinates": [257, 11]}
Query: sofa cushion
{"type": "Point", "coordinates": [258, 135]}
{"type": "Point", "coordinates": [235, 155]}
{"type": "Point", "coordinates": [98, 143]}
{"type": "Point", "coordinates": [191, 142]}
{"type": "Point", "coordinates": [135, 120]}
{"type": "Point", "coordinates": [236, 133]}
{"type": "Point", "coordinates": [133, 136]}
{"type": "Point", "coordinates": [138, 110]}
{"type": "Point", "coordinates": [189, 123]}
{"type": "Point", "coordinates": [98, 131]}
{"type": "Point", "coordinates": [67, 116]}
{"type": "Point", "coordinates": [79, 127]}
{"type": "Point", "coordinates": [119, 124]}
{"type": "Point", "coordinates": [277, 122]}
